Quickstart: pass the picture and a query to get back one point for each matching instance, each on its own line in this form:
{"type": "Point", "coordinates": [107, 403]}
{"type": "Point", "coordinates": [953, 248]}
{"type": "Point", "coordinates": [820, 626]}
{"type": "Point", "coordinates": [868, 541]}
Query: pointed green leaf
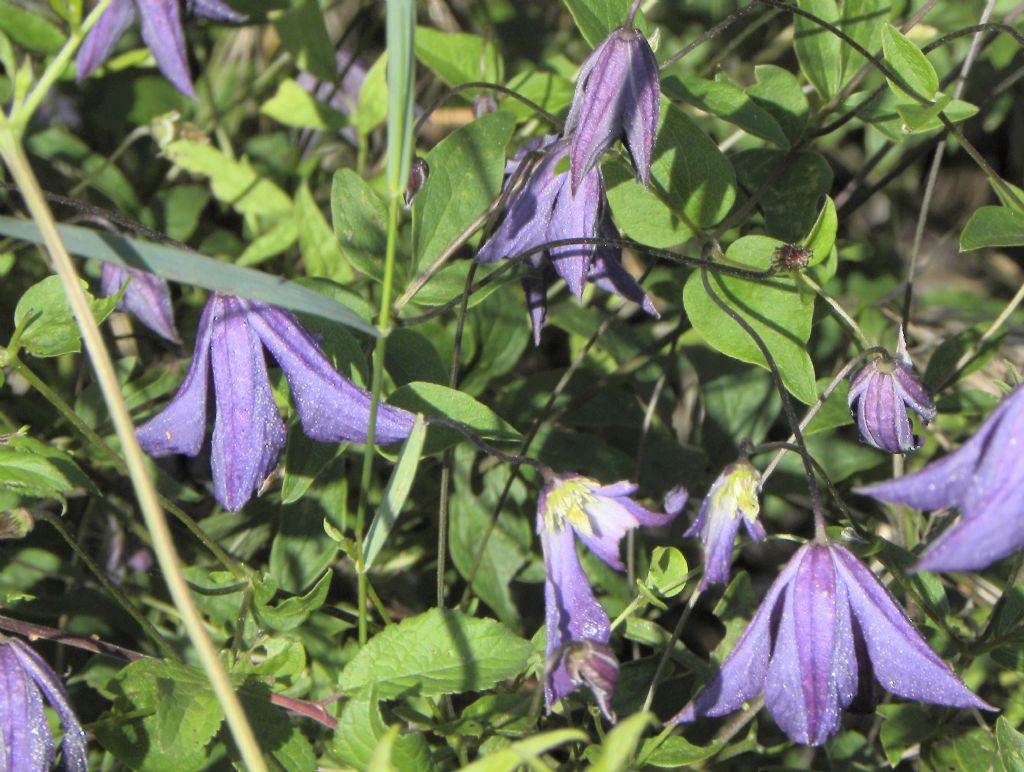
{"type": "Point", "coordinates": [907, 61]}
{"type": "Point", "coordinates": [817, 49]}
{"type": "Point", "coordinates": [525, 751]}
{"type": "Point", "coordinates": [728, 101]}
{"type": "Point", "coordinates": [993, 226]}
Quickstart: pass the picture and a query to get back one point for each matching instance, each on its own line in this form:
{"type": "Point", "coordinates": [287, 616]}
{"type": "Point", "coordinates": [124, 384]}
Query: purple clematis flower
{"type": "Point", "coordinates": [148, 298]}
{"type": "Point", "coordinates": [617, 95]}
{"type": "Point", "coordinates": [880, 394]}
{"type": "Point", "coordinates": [161, 30]}
{"type": "Point", "coordinates": [732, 500]}
{"type": "Point", "coordinates": [599, 515]}
{"type": "Point", "coordinates": [825, 630]}
{"type": "Point", "coordinates": [26, 744]}
{"type": "Point", "coordinates": [984, 478]}
{"type": "Point", "coordinates": [248, 432]}
{"type": "Point", "coordinates": [545, 209]}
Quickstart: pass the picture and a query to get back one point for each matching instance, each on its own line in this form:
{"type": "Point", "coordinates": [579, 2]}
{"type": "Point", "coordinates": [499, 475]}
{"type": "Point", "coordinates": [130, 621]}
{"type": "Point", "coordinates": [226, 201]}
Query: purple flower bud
{"type": "Point", "coordinates": [617, 96]}
{"type": "Point", "coordinates": [595, 666]}
{"type": "Point", "coordinates": [826, 629]}
{"type": "Point", "coordinates": [148, 298]}
{"type": "Point", "coordinates": [599, 515]}
{"type": "Point", "coordinates": [733, 499]}
{"type": "Point", "coordinates": [26, 743]}
{"type": "Point", "coordinates": [984, 478]}
{"type": "Point", "coordinates": [161, 30]}
{"type": "Point", "coordinates": [880, 394]}
{"type": "Point", "coordinates": [248, 432]}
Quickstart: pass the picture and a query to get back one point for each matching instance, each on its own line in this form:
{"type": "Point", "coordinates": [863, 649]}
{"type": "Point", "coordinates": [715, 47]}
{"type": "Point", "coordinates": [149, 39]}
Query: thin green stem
{"type": "Point", "coordinates": [145, 491]}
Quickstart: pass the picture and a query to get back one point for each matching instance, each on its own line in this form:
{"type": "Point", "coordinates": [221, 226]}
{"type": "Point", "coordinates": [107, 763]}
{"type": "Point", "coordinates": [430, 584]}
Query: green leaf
{"type": "Point", "coordinates": [410, 356]}
{"type": "Point", "coordinates": [437, 652]}
{"type": "Point", "coordinates": [597, 18]}
{"type": "Point", "coordinates": [993, 226]}
{"type": "Point", "coordinates": [817, 49]}
{"type": "Point", "coordinates": [300, 553]}
{"type": "Point", "coordinates": [466, 170]}
{"type": "Point", "coordinates": [909, 63]}
{"type": "Point", "coordinates": [620, 744]}
{"type": "Point", "coordinates": [918, 118]}
{"type": "Point", "coordinates": [673, 752]}
{"type": "Point", "coordinates": [30, 474]}
{"type": "Point", "coordinates": [904, 727]}
{"type": "Point", "coordinates": [29, 29]}
{"type": "Point", "coordinates": [434, 399]}
{"type": "Point", "coordinates": [321, 252]}
{"type": "Point", "coordinates": [547, 89]}
{"type": "Point", "coordinates": [822, 237]}
{"type": "Point", "coordinates": [360, 219]}
{"type": "Point", "coordinates": [525, 751]}
{"type": "Point", "coordinates": [729, 102]}
{"type": "Point", "coordinates": [863, 21]}
{"type": "Point", "coordinates": [304, 35]}
{"type": "Point", "coordinates": [50, 328]}
{"type": "Point", "coordinates": [943, 362]}
{"type": "Point", "coordinates": [796, 186]}
{"type": "Point", "coordinates": [1010, 745]}
{"type": "Point", "coordinates": [191, 268]}
{"type": "Point", "coordinates": [459, 57]}
{"type": "Point", "coordinates": [668, 572]}
{"type": "Point", "coordinates": [292, 612]}
{"type": "Point", "coordinates": [689, 175]}
{"type": "Point", "coordinates": [292, 105]}
{"type": "Point", "coordinates": [396, 494]}
{"type": "Point", "coordinates": [373, 97]}
{"type": "Point", "coordinates": [772, 306]}
{"type": "Point", "coordinates": [778, 92]}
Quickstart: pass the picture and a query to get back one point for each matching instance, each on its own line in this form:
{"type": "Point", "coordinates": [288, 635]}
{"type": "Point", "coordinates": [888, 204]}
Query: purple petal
{"type": "Point", "coordinates": [330, 407]}
{"type": "Point", "coordinates": [161, 29]}
{"type": "Point", "coordinates": [913, 393]}
{"type": "Point", "coordinates": [73, 748]}
{"type": "Point", "coordinates": [181, 426]}
{"type": "Point", "coordinates": [882, 417]}
{"type": "Point", "coordinates": [675, 501]}
{"type": "Point", "coordinates": [26, 742]}
{"type": "Point", "coordinates": [902, 661]}
{"type": "Point", "coordinates": [576, 216]}
{"type": "Point", "coordinates": [941, 483]}
{"type": "Point", "coordinates": [572, 612]}
{"type": "Point", "coordinates": [536, 291]}
{"type": "Point", "coordinates": [248, 432]}
{"type": "Point", "coordinates": [611, 513]}
{"type": "Point", "coordinates": [609, 275]}
{"type": "Point", "coordinates": [742, 674]}
{"type": "Point", "coordinates": [642, 106]}
{"type": "Point", "coordinates": [215, 10]}
{"type": "Point", "coordinates": [102, 38]}
{"type": "Point", "coordinates": [148, 298]}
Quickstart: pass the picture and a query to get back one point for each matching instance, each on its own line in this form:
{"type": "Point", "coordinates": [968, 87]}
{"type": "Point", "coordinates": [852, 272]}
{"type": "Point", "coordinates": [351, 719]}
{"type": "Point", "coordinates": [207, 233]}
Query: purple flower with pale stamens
{"type": "Point", "coordinates": [599, 515]}
{"type": "Point", "coordinates": [617, 96]}
{"type": "Point", "coordinates": [826, 629]}
{"type": "Point", "coordinates": [732, 500]}
{"type": "Point", "coordinates": [148, 298]}
{"type": "Point", "coordinates": [879, 396]}
{"type": "Point", "coordinates": [248, 432]}
{"type": "Point", "coordinates": [545, 209]}
{"type": "Point", "coordinates": [26, 744]}
{"type": "Point", "coordinates": [161, 30]}
{"type": "Point", "coordinates": [984, 478]}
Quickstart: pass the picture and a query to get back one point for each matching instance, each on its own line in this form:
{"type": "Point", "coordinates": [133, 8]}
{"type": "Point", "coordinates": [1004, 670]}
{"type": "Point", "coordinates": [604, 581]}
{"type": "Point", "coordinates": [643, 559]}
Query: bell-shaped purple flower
{"type": "Point", "coordinates": [984, 478]}
{"type": "Point", "coordinates": [825, 631]}
{"type": "Point", "coordinates": [26, 744]}
{"type": "Point", "coordinates": [148, 298]}
{"type": "Point", "coordinates": [599, 515]}
{"type": "Point", "coordinates": [733, 499]}
{"type": "Point", "coordinates": [617, 96]}
{"type": "Point", "coordinates": [161, 30]}
{"type": "Point", "coordinates": [880, 395]}
{"type": "Point", "coordinates": [248, 432]}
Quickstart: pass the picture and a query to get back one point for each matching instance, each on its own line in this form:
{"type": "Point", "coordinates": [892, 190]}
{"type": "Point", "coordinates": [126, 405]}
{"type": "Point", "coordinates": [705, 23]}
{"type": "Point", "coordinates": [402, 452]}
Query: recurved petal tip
{"type": "Point", "coordinates": [163, 33]}
{"type": "Point", "coordinates": [102, 38]}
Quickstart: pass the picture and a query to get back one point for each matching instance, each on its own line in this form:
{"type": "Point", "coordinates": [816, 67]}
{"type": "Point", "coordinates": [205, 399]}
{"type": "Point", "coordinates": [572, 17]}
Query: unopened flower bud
{"type": "Point", "coordinates": [418, 173]}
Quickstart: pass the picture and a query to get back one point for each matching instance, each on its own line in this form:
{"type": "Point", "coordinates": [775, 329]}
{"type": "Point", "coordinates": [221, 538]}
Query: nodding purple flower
{"type": "Point", "coordinates": [984, 478]}
{"type": "Point", "coordinates": [26, 744]}
{"type": "Point", "coordinates": [161, 30]}
{"type": "Point", "coordinates": [545, 209]}
{"type": "Point", "coordinates": [617, 96]}
{"type": "Point", "coordinates": [599, 515]}
{"type": "Point", "coordinates": [594, 665]}
{"type": "Point", "coordinates": [880, 394]}
{"type": "Point", "coordinates": [733, 499]}
{"type": "Point", "coordinates": [148, 298]}
{"type": "Point", "coordinates": [248, 432]}
{"type": "Point", "coordinates": [824, 632]}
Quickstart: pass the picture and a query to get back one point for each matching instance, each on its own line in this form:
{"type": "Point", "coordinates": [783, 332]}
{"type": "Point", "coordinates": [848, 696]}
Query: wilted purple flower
{"type": "Point", "coordinates": [732, 500]}
{"type": "Point", "coordinates": [26, 744]}
{"type": "Point", "coordinates": [161, 30]}
{"type": "Point", "coordinates": [617, 95]}
{"type": "Point", "coordinates": [879, 397]}
{"type": "Point", "coordinates": [594, 665]}
{"type": "Point", "coordinates": [599, 515]}
{"type": "Point", "coordinates": [984, 478]}
{"type": "Point", "coordinates": [826, 629]}
{"type": "Point", "coordinates": [248, 432]}
{"type": "Point", "coordinates": [148, 298]}
{"type": "Point", "coordinates": [545, 209]}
